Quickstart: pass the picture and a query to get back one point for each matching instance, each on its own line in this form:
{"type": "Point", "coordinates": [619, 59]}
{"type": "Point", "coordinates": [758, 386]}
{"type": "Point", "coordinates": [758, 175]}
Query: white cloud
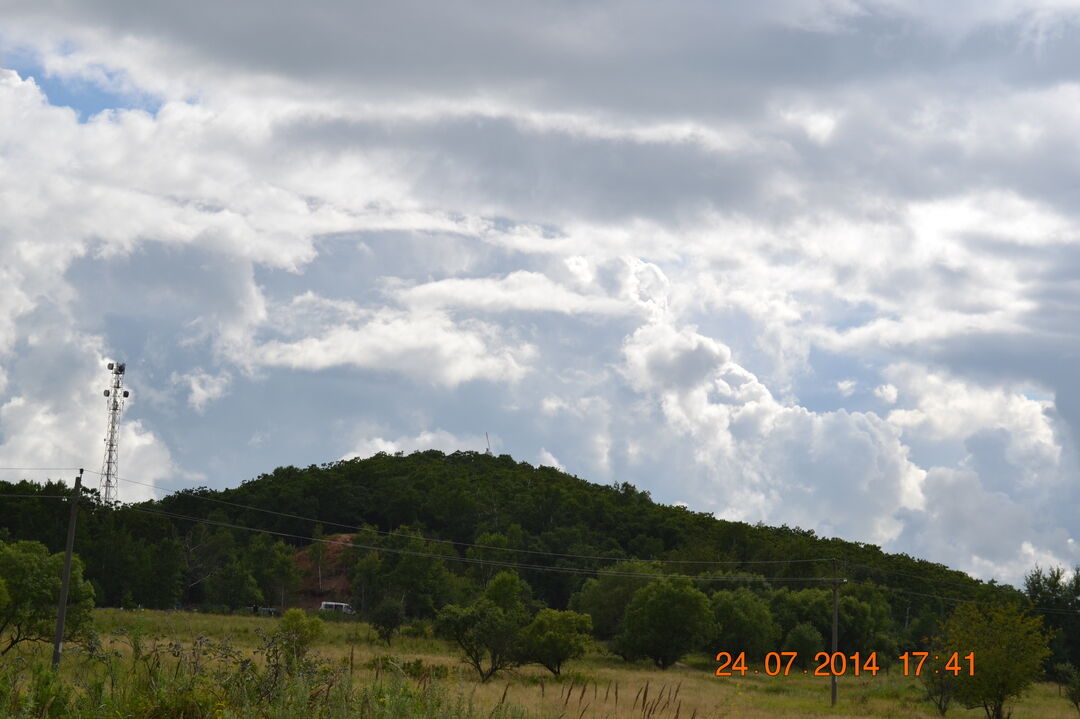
{"type": "Point", "coordinates": [366, 445]}
{"type": "Point", "coordinates": [203, 387]}
{"type": "Point", "coordinates": [57, 418]}
{"type": "Point", "coordinates": [886, 393]}
{"type": "Point", "coordinates": [769, 461]}
{"type": "Point", "coordinates": [685, 258]}
{"type": "Point", "coordinates": [424, 345]}
{"type": "Point", "coordinates": [516, 292]}
{"type": "Point", "coordinates": [545, 458]}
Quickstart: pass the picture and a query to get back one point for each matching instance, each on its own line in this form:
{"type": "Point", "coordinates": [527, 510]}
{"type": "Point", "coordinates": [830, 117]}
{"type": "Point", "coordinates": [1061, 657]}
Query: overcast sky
{"type": "Point", "coordinates": [813, 263]}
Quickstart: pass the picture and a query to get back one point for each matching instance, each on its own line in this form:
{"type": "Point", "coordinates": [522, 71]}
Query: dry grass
{"type": "Point", "coordinates": [596, 687]}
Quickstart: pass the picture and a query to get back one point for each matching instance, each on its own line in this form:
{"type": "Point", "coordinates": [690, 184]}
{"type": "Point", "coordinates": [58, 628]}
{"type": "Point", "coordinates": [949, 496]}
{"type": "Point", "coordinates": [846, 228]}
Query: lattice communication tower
{"type": "Point", "coordinates": [114, 397]}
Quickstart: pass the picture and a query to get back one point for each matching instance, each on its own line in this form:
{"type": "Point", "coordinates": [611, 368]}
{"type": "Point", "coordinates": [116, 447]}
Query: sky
{"type": "Point", "coordinates": [810, 262]}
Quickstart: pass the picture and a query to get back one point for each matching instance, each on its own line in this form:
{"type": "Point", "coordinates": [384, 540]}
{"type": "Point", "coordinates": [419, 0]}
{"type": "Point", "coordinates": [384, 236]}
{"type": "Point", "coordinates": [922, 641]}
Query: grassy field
{"type": "Point", "coordinates": [171, 655]}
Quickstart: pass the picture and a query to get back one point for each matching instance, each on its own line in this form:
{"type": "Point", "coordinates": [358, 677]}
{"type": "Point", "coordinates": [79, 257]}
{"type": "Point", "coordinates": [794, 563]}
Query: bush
{"type": "Point", "coordinates": [296, 632]}
{"type": "Point", "coordinates": [387, 618]}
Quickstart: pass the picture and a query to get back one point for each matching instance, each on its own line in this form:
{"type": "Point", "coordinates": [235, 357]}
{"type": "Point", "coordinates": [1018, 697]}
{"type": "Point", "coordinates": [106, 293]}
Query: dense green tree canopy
{"type": "Point", "coordinates": [30, 579]}
{"type": "Point", "coordinates": [554, 637]}
{"type": "Point", "coordinates": [744, 623]}
{"type": "Point", "coordinates": [431, 529]}
{"type": "Point", "coordinates": [1009, 648]}
{"type": "Point", "coordinates": [664, 620]}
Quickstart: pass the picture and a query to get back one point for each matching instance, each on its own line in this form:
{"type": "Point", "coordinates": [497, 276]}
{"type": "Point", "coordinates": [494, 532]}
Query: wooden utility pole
{"type": "Point", "coordinates": [835, 625]}
{"type": "Point", "coordinates": [65, 580]}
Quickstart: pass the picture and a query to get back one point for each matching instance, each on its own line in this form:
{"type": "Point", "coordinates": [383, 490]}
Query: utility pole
{"type": "Point", "coordinates": [835, 624]}
{"type": "Point", "coordinates": [65, 580]}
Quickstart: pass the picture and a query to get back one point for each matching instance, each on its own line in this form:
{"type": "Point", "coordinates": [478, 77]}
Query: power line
{"type": "Point", "coordinates": [34, 496]}
{"type": "Point", "coordinates": [515, 565]}
{"type": "Point", "coordinates": [469, 544]}
{"type": "Point", "coordinates": [40, 469]}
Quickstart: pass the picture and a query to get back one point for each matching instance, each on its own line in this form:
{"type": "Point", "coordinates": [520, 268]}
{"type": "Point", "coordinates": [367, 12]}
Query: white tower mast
{"type": "Point", "coordinates": [114, 396]}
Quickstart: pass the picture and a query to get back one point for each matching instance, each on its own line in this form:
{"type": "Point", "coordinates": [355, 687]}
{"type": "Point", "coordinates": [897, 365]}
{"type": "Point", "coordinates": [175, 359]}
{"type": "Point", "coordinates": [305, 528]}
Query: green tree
{"type": "Point", "coordinates": [487, 632]}
{"type": "Point", "coordinates": [648, 626]}
{"type": "Point", "coordinates": [866, 622]}
{"type": "Point", "coordinates": [273, 565]}
{"type": "Point", "coordinates": [368, 584]}
{"type": "Point", "coordinates": [387, 618]}
{"type": "Point", "coordinates": [811, 606]}
{"type": "Point", "coordinates": [805, 639]}
{"type": "Point", "coordinates": [233, 586]}
{"type": "Point", "coordinates": [936, 680]}
{"type": "Point", "coordinates": [413, 573]}
{"type": "Point", "coordinates": [1072, 685]}
{"type": "Point", "coordinates": [554, 637]}
{"type": "Point", "coordinates": [1051, 589]}
{"type": "Point", "coordinates": [31, 583]}
{"type": "Point", "coordinates": [1009, 649]}
{"type": "Point", "coordinates": [744, 623]}
{"type": "Point", "coordinates": [606, 597]}
{"type": "Point", "coordinates": [508, 591]}
{"type": "Point", "coordinates": [491, 547]}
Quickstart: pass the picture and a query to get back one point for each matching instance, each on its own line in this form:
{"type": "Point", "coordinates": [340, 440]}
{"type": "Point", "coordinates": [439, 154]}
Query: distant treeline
{"type": "Point", "coordinates": [492, 514]}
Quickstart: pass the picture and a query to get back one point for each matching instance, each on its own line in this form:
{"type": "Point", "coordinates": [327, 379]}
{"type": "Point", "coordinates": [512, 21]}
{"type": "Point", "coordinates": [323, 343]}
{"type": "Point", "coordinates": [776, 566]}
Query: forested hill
{"type": "Point", "coordinates": [199, 546]}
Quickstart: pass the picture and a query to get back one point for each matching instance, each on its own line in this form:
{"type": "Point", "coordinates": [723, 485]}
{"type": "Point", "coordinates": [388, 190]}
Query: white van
{"type": "Point", "coordinates": [336, 607]}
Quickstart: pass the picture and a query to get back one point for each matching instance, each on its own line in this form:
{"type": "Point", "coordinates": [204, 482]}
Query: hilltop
{"type": "Point", "coordinates": [197, 545]}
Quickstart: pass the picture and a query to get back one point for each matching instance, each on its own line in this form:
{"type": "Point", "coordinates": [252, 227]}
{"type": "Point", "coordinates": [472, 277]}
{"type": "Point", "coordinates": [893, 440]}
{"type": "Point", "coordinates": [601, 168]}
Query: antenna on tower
{"type": "Point", "coordinates": [488, 440]}
{"type": "Point", "coordinates": [114, 399]}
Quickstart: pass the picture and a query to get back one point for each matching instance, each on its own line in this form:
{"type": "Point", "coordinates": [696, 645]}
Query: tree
{"type": "Point", "coordinates": [648, 626]}
{"type": "Point", "coordinates": [1009, 649]}
{"type": "Point", "coordinates": [812, 606]}
{"type": "Point", "coordinates": [937, 680]}
{"type": "Point", "coordinates": [605, 598]}
{"type": "Point", "coordinates": [234, 587]}
{"type": "Point", "coordinates": [31, 592]}
{"type": "Point", "coordinates": [1053, 590]}
{"type": "Point", "coordinates": [274, 567]}
{"type": "Point", "coordinates": [744, 623]}
{"type": "Point", "coordinates": [486, 633]}
{"type": "Point", "coordinates": [1072, 686]}
{"type": "Point", "coordinates": [805, 639]}
{"type": "Point", "coordinates": [387, 618]}
{"type": "Point", "coordinates": [508, 591]}
{"type": "Point", "coordinates": [554, 637]}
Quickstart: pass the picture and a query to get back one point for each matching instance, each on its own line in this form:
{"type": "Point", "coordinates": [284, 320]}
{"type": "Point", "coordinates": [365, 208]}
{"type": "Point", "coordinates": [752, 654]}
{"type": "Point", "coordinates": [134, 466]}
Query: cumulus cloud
{"type": "Point", "coordinates": [203, 387]}
{"type": "Point", "coordinates": [887, 393]}
{"type": "Point", "coordinates": [425, 345]}
{"type": "Point", "coordinates": [545, 458]}
{"type": "Point", "coordinates": [783, 462]}
{"type": "Point", "coordinates": [637, 237]}
{"type": "Point", "coordinates": [517, 291]}
{"type": "Point", "coordinates": [366, 444]}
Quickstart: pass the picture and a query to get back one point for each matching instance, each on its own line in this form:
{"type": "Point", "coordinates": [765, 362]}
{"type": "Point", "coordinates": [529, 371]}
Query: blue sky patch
{"type": "Point", "coordinates": [86, 97]}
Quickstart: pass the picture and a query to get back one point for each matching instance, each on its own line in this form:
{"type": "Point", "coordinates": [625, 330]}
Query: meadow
{"type": "Point", "coordinates": [166, 665]}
